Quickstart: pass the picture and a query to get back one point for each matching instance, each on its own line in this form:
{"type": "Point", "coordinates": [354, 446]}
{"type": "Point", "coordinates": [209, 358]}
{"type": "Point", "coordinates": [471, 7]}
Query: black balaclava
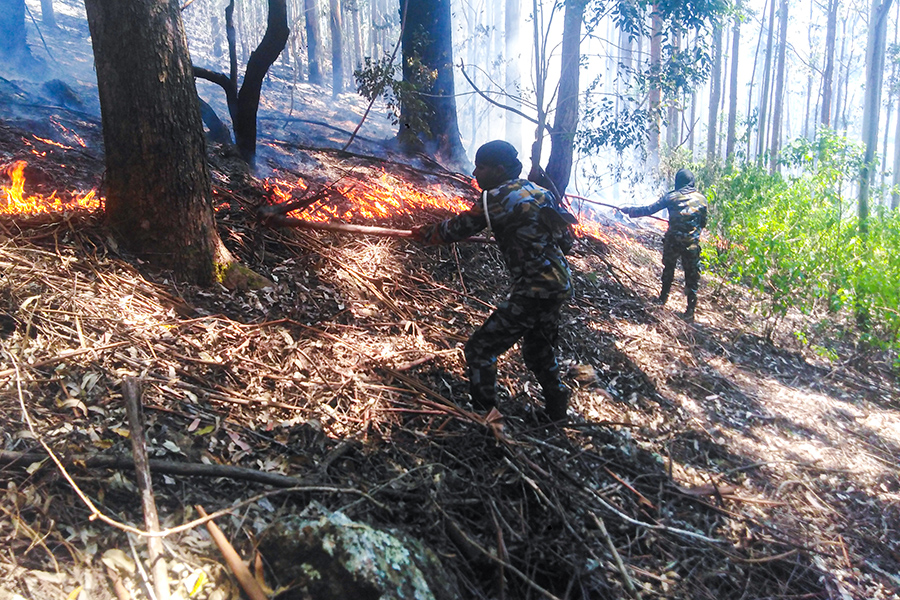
{"type": "Point", "coordinates": [684, 179]}
{"type": "Point", "coordinates": [500, 153]}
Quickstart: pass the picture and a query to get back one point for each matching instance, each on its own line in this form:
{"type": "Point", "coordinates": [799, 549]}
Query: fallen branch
{"type": "Point", "coordinates": [240, 570]}
{"type": "Point", "coordinates": [281, 221]}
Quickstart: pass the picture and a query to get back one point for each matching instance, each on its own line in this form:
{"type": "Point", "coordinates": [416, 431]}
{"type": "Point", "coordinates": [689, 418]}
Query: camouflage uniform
{"type": "Point", "coordinates": [541, 284]}
{"type": "Point", "coordinates": [687, 217]}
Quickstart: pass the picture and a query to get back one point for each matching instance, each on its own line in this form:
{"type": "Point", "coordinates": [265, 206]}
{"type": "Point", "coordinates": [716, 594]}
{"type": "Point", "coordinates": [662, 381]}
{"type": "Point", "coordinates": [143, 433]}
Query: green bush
{"type": "Point", "coordinates": [794, 239]}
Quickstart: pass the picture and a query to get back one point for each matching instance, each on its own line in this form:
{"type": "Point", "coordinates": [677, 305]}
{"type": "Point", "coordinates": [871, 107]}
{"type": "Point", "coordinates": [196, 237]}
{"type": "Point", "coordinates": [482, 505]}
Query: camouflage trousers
{"type": "Point", "coordinates": [689, 253]}
{"type": "Point", "coordinates": [535, 321]}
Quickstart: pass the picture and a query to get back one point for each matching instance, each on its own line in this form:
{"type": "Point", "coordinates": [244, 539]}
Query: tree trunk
{"type": "Point", "coordinates": [158, 189]}
{"type": "Point", "coordinates": [673, 117]}
{"type": "Point", "coordinates": [829, 62]}
{"type": "Point", "coordinates": [243, 105]}
{"type": "Point", "coordinates": [337, 48]}
{"type": "Point", "coordinates": [778, 102]}
{"type": "Point", "coordinates": [357, 36]}
{"type": "Point", "coordinates": [313, 42]}
{"type": "Point", "coordinates": [752, 79]}
{"type": "Point", "coordinates": [655, 92]}
{"type": "Point", "coordinates": [13, 47]}
{"type": "Point", "coordinates": [513, 79]}
{"type": "Point", "coordinates": [895, 192]}
{"type": "Point", "coordinates": [427, 37]}
{"type": "Point", "coordinates": [562, 139]}
{"type": "Point", "coordinates": [715, 85]}
{"type": "Point", "coordinates": [733, 89]}
{"type": "Point", "coordinates": [48, 17]}
{"type": "Point", "coordinates": [875, 51]}
{"type": "Point", "coordinates": [764, 97]}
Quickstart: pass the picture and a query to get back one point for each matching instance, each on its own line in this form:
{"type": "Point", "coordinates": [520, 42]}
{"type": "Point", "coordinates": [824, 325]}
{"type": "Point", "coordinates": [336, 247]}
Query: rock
{"type": "Point", "coordinates": [334, 558]}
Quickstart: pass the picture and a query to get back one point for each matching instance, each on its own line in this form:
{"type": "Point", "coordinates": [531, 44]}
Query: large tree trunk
{"type": "Point", "coordinates": [313, 42]}
{"type": "Point", "coordinates": [562, 139]}
{"type": "Point", "coordinates": [733, 89]}
{"type": "Point", "coordinates": [715, 80]}
{"type": "Point", "coordinates": [427, 37]}
{"type": "Point", "coordinates": [13, 47]}
{"type": "Point", "coordinates": [512, 54]}
{"type": "Point", "coordinates": [158, 189]}
{"type": "Point", "coordinates": [778, 101]}
{"type": "Point", "coordinates": [337, 48]}
{"type": "Point", "coordinates": [828, 75]}
{"type": "Point", "coordinates": [875, 51]}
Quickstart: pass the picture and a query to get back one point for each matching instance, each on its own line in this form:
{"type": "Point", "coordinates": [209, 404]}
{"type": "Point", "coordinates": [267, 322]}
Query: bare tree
{"type": "Point", "coordinates": [337, 47]}
{"type": "Point", "coordinates": [828, 76]}
{"type": "Point", "coordinates": [313, 42]}
{"type": "Point", "coordinates": [715, 90]}
{"type": "Point", "coordinates": [762, 115]}
{"type": "Point", "coordinates": [243, 104]}
{"type": "Point", "coordinates": [733, 87]}
{"type": "Point", "coordinates": [512, 19]}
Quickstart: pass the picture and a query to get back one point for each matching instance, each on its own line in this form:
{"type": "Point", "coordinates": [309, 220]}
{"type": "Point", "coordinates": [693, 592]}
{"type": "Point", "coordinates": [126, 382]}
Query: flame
{"type": "Point", "coordinates": [14, 202]}
{"type": "Point", "coordinates": [380, 197]}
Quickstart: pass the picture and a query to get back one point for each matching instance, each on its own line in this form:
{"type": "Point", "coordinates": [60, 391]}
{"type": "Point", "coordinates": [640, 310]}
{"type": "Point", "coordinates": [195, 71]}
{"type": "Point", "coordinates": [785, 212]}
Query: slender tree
{"type": "Point", "coordinates": [828, 75]}
{"type": "Point", "coordinates": [243, 103]}
{"type": "Point", "coordinates": [715, 91]}
{"type": "Point", "coordinates": [778, 103]}
{"type": "Point", "coordinates": [655, 93]}
{"type": "Point", "coordinates": [512, 20]}
{"type": "Point", "coordinates": [313, 42]}
{"type": "Point", "coordinates": [733, 87]}
{"type": "Point", "coordinates": [158, 189]}
{"type": "Point", "coordinates": [562, 139]}
{"type": "Point", "coordinates": [13, 47]}
{"type": "Point", "coordinates": [337, 47]}
{"type": "Point", "coordinates": [762, 116]}
{"type": "Point", "coordinates": [875, 51]}
{"type": "Point", "coordinates": [48, 15]}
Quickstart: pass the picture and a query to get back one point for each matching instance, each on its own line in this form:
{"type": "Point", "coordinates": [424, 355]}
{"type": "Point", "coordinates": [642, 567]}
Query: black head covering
{"type": "Point", "coordinates": [683, 179]}
{"type": "Point", "coordinates": [499, 153]}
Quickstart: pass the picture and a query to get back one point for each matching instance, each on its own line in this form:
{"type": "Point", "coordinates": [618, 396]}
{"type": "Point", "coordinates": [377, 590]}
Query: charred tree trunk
{"type": "Point", "coordinates": [158, 188]}
{"type": "Point", "coordinates": [243, 104]}
{"type": "Point", "coordinates": [337, 48]}
{"type": "Point", "coordinates": [562, 138]}
{"type": "Point", "coordinates": [427, 41]}
{"type": "Point", "coordinates": [313, 42]}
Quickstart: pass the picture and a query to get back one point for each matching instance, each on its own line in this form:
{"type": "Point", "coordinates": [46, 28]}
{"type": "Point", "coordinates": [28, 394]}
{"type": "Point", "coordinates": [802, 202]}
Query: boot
{"type": "Point", "coordinates": [664, 293]}
{"type": "Point", "coordinates": [556, 399]}
{"type": "Point", "coordinates": [691, 306]}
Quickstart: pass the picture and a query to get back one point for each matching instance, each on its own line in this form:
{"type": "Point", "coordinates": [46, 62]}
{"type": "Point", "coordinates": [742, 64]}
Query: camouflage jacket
{"type": "Point", "coordinates": [687, 213]}
{"type": "Point", "coordinates": [536, 265]}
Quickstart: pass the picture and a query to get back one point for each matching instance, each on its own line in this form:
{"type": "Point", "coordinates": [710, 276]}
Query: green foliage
{"type": "Point", "coordinates": [794, 240]}
{"type": "Point", "coordinates": [379, 78]}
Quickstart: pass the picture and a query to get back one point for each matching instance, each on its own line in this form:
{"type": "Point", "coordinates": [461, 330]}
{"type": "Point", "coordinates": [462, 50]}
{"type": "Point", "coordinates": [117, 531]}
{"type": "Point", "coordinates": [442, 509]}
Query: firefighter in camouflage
{"type": "Point", "coordinates": [687, 218]}
{"type": "Point", "coordinates": [541, 282]}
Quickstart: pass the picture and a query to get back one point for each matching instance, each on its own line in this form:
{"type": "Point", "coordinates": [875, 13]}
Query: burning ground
{"type": "Point", "coordinates": [714, 460]}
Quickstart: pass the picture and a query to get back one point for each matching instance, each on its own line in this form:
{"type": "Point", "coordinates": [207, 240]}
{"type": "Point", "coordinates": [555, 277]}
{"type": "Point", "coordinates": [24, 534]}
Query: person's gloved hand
{"type": "Point", "coordinates": [418, 233]}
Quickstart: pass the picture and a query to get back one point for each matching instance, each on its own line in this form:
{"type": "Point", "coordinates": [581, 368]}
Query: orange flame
{"type": "Point", "coordinates": [14, 202]}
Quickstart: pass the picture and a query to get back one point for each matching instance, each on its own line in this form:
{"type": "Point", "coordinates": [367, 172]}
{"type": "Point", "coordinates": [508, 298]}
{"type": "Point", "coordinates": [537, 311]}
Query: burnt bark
{"type": "Point", "coordinates": [427, 40]}
{"type": "Point", "coordinates": [158, 188]}
{"type": "Point", "coordinates": [243, 103]}
{"type": "Point", "coordinates": [565, 124]}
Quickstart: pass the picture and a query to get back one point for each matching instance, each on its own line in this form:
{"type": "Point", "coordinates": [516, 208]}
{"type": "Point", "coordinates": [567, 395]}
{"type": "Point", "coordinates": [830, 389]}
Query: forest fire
{"type": "Point", "coordinates": [13, 200]}
{"type": "Point", "coordinates": [383, 196]}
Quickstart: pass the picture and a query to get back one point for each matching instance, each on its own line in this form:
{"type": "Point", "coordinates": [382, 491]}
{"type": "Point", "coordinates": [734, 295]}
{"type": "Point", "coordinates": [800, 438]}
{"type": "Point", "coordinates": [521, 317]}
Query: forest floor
{"type": "Point", "coordinates": [719, 459]}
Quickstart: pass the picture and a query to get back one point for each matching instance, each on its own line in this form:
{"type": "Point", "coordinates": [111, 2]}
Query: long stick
{"type": "Point", "coordinates": [589, 201]}
{"type": "Point", "coordinates": [131, 391]}
{"type": "Point", "coordinates": [281, 221]}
